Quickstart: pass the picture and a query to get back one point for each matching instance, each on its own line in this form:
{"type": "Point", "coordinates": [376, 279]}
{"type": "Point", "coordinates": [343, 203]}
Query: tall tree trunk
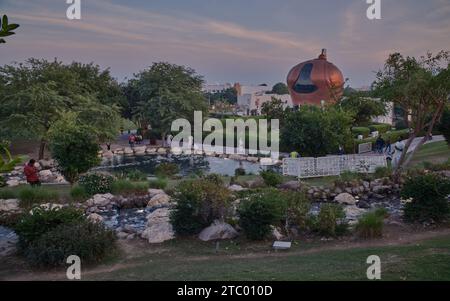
{"type": "Point", "coordinates": [42, 149]}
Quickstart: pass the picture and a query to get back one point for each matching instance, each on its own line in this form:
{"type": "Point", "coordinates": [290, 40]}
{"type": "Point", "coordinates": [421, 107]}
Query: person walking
{"type": "Point", "coordinates": [399, 148]}
{"type": "Point", "coordinates": [131, 140]}
{"type": "Point", "coordinates": [31, 173]}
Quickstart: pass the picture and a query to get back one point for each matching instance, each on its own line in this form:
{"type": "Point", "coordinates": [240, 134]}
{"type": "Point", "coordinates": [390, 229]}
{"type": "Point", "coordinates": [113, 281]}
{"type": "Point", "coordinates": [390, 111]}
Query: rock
{"type": "Point", "coordinates": [162, 151]}
{"type": "Point", "coordinates": [152, 192]}
{"type": "Point", "coordinates": [129, 229]}
{"type": "Point", "coordinates": [236, 188]}
{"type": "Point", "coordinates": [158, 228]}
{"type": "Point", "coordinates": [12, 183]}
{"type": "Point", "coordinates": [131, 236]}
{"type": "Point", "coordinates": [108, 154]}
{"type": "Point", "coordinates": [345, 199]}
{"type": "Point", "coordinates": [254, 183]}
{"type": "Point", "coordinates": [47, 164]}
{"type": "Point", "coordinates": [159, 200]}
{"type": "Point", "coordinates": [100, 200]}
{"type": "Point", "coordinates": [352, 213]}
{"type": "Point", "coordinates": [218, 230]}
{"type": "Point", "coordinates": [95, 218]}
{"type": "Point", "coordinates": [46, 176]}
{"type": "Point", "coordinates": [140, 150]}
{"type": "Point", "coordinates": [158, 233]}
{"type": "Point", "coordinates": [122, 235]}
{"type": "Point", "coordinates": [128, 151]}
{"type": "Point", "coordinates": [381, 189]}
{"type": "Point", "coordinates": [150, 150]}
{"type": "Point", "coordinates": [253, 159]}
{"type": "Point", "coordinates": [364, 205]}
{"type": "Point", "coordinates": [291, 185]}
{"type": "Point", "coordinates": [266, 161]}
{"type": "Point", "coordinates": [11, 205]}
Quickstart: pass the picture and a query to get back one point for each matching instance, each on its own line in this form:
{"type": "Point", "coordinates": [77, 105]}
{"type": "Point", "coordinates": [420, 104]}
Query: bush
{"type": "Point", "coordinates": [74, 148]}
{"type": "Point", "coordinates": [381, 128]}
{"type": "Point", "coordinates": [199, 203]}
{"type": "Point", "coordinates": [239, 172]}
{"type": "Point", "coordinates": [41, 221]}
{"type": "Point", "coordinates": [2, 181]}
{"type": "Point", "coordinates": [382, 172]}
{"type": "Point", "coordinates": [36, 195]}
{"type": "Point", "coordinates": [166, 170]}
{"type": "Point", "coordinates": [90, 241]}
{"type": "Point", "coordinates": [271, 178]}
{"type": "Point", "coordinates": [94, 183]}
{"type": "Point", "coordinates": [159, 183]}
{"type": "Point", "coordinates": [258, 213]}
{"type": "Point", "coordinates": [370, 225]}
{"type": "Point", "coordinates": [330, 221]}
{"type": "Point", "coordinates": [349, 176]}
{"type": "Point", "coordinates": [364, 131]}
{"type": "Point", "coordinates": [78, 193]}
{"type": "Point", "coordinates": [128, 187]}
{"type": "Point", "coordinates": [298, 206]}
{"type": "Point", "coordinates": [428, 194]}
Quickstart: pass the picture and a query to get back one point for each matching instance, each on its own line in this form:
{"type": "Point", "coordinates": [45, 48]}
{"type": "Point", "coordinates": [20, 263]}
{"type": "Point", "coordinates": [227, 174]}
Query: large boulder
{"type": "Point", "coordinates": [236, 188]}
{"type": "Point", "coordinates": [100, 200]}
{"type": "Point", "coordinates": [161, 199]}
{"type": "Point", "coordinates": [9, 206]}
{"type": "Point", "coordinates": [159, 228]}
{"type": "Point", "coordinates": [108, 154]}
{"type": "Point", "coordinates": [95, 218]}
{"type": "Point", "coordinates": [345, 199]}
{"type": "Point", "coordinates": [46, 176]}
{"type": "Point", "coordinates": [352, 213]}
{"type": "Point", "coordinates": [128, 151]}
{"type": "Point", "coordinates": [218, 230]}
{"type": "Point", "coordinates": [47, 164]}
{"type": "Point", "coordinates": [140, 150]}
{"type": "Point", "coordinates": [152, 192]}
{"type": "Point", "coordinates": [12, 183]}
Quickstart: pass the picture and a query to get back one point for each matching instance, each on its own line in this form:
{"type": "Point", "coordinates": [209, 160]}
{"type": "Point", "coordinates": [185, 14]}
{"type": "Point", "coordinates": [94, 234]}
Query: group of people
{"type": "Point", "coordinates": [394, 153]}
{"type": "Point", "coordinates": [135, 139]}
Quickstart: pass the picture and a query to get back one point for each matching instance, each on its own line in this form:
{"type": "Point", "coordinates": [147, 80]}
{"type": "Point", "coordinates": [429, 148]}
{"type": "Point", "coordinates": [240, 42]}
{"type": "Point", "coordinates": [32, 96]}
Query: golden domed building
{"type": "Point", "coordinates": [315, 81]}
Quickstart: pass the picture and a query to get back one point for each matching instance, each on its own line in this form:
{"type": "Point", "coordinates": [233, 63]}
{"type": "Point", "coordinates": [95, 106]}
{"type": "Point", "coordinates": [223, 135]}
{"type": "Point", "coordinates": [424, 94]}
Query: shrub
{"type": "Point", "coordinates": [239, 172]}
{"type": "Point", "coordinates": [128, 187]}
{"type": "Point", "coordinates": [94, 183]}
{"type": "Point", "coordinates": [74, 147]}
{"type": "Point", "coordinates": [166, 170]}
{"type": "Point", "coordinates": [90, 241]}
{"type": "Point", "coordinates": [271, 178]}
{"type": "Point", "coordinates": [348, 176]}
{"type": "Point", "coordinates": [40, 221]}
{"type": "Point", "coordinates": [78, 193]}
{"type": "Point", "coordinates": [159, 183]}
{"type": "Point", "coordinates": [199, 203]}
{"type": "Point", "coordinates": [428, 194]}
{"type": "Point", "coordinates": [298, 206]}
{"type": "Point", "coordinates": [381, 128]}
{"type": "Point", "coordinates": [2, 181]}
{"type": "Point", "coordinates": [370, 225]}
{"type": "Point", "coordinates": [331, 220]}
{"type": "Point", "coordinates": [364, 131]}
{"type": "Point", "coordinates": [36, 195]}
{"type": "Point", "coordinates": [257, 215]}
{"type": "Point", "coordinates": [382, 172]}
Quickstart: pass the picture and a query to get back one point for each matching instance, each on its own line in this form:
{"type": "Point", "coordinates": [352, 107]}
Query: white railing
{"type": "Point", "coordinates": [331, 165]}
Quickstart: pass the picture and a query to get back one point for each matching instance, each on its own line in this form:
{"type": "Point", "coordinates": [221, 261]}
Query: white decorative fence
{"type": "Point", "coordinates": [331, 165]}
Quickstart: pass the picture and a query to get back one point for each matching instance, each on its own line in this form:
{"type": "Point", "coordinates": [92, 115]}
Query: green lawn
{"type": "Point", "coordinates": [436, 152]}
{"type": "Point", "coordinates": [428, 260]}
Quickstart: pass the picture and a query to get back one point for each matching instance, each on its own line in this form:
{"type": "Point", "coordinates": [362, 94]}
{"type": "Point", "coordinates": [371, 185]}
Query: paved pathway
{"type": "Point", "coordinates": [416, 141]}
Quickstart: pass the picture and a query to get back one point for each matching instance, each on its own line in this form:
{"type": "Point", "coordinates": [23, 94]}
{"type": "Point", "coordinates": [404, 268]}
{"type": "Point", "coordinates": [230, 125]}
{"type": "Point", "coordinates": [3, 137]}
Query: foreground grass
{"type": "Point", "coordinates": [435, 152]}
{"type": "Point", "coordinates": [428, 260]}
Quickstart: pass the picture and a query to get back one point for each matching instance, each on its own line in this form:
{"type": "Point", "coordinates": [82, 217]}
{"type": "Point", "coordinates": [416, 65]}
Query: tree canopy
{"type": "Point", "coordinates": [280, 89]}
{"type": "Point", "coordinates": [6, 29]}
{"type": "Point", "coordinates": [363, 108]}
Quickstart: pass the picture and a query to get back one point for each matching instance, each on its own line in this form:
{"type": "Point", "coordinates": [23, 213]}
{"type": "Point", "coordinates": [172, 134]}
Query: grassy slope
{"type": "Point", "coordinates": [436, 152]}
{"type": "Point", "coordinates": [428, 260]}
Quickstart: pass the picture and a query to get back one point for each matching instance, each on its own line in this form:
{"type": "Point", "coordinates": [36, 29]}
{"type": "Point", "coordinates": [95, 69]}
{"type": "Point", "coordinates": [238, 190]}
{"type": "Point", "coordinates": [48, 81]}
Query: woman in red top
{"type": "Point", "coordinates": [31, 173]}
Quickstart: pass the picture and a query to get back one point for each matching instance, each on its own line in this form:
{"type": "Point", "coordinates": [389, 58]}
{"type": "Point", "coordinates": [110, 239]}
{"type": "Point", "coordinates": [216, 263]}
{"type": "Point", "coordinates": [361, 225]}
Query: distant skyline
{"type": "Point", "coordinates": [247, 41]}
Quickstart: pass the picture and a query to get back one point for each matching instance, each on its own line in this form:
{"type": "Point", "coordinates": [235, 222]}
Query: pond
{"type": "Point", "coordinates": [187, 164]}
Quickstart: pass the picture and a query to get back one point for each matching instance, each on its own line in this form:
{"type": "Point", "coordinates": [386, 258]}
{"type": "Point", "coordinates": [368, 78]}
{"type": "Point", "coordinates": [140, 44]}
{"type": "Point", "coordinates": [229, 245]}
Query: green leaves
{"type": "Point", "coordinates": [6, 29]}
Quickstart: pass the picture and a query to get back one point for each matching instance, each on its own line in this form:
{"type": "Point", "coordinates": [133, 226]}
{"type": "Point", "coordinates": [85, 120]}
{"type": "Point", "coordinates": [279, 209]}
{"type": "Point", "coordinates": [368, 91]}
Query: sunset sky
{"type": "Point", "coordinates": [247, 41]}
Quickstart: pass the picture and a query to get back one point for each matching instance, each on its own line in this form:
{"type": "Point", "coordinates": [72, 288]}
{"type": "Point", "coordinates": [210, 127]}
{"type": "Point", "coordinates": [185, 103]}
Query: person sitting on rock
{"type": "Point", "coordinates": [31, 173]}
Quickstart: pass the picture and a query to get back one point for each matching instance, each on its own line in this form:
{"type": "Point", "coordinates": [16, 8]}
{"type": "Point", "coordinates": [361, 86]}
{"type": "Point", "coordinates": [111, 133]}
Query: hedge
{"type": "Point", "coordinates": [381, 128]}
{"type": "Point", "coordinates": [364, 131]}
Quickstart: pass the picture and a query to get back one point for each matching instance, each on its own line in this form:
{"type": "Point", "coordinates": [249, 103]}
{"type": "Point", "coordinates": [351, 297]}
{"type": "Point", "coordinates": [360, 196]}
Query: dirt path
{"type": "Point", "coordinates": [132, 253]}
